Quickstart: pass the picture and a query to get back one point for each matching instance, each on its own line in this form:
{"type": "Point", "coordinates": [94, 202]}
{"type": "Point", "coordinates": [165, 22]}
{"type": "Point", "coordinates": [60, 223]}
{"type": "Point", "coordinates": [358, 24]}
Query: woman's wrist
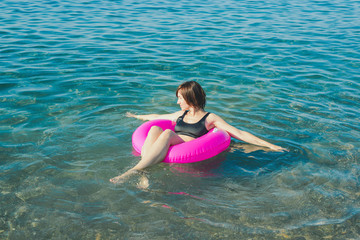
{"type": "Point", "coordinates": [129, 114]}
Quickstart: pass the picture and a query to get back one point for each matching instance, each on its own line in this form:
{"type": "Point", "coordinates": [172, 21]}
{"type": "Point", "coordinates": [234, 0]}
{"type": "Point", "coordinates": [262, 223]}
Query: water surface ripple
{"type": "Point", "coordinates": [286, 71]}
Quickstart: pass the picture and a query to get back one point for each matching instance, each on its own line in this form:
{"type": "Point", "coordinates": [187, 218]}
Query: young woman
{"type": "Point", "coordinates": [191, 122]}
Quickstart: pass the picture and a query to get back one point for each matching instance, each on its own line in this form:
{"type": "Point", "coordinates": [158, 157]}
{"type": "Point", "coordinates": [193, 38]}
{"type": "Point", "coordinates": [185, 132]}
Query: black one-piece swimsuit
{"type": "Point", "coordinates": [194, 130]}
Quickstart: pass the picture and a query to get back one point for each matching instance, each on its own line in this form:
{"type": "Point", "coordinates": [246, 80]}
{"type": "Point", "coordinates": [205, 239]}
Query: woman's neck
{"type": "Point", "coordinates": [194, 111]}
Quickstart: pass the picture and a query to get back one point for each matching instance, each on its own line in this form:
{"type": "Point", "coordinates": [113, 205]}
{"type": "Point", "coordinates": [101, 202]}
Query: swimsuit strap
{"type": "Point", "coordinates": [186, 111]}
{"type": "Point", "coordinates": [204, 116]}
{"type": "Point", "coordinates": [181, 118]}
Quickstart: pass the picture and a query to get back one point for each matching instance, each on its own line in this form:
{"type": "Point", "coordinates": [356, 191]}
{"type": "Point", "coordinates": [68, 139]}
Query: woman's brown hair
{"type": "Point", "coordinates": [193, 94]}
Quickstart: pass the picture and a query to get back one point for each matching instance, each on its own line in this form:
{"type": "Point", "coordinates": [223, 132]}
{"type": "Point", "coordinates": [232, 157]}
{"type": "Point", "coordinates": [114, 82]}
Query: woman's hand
{"type": "Point", "coordinates": [129, 114]}
{"type": "Point", "coordinates": [141, 117]}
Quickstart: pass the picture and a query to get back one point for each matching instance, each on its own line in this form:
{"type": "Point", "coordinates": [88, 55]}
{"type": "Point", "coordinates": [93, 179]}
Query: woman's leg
{"type": "Point", "coordinates": [153, 134]}
{"type": "Point", "coordinates": [154, 151]}
{"type": "Point", "coordinates": [158, 150]}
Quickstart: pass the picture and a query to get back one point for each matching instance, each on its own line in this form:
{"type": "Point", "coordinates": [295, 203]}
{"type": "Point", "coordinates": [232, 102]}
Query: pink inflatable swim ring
{"type": "Point", "coordinates": [199, 149]}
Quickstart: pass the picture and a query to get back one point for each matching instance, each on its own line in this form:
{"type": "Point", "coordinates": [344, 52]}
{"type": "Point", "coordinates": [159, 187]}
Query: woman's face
{"type": "Point", "coordinates": [183, 104]}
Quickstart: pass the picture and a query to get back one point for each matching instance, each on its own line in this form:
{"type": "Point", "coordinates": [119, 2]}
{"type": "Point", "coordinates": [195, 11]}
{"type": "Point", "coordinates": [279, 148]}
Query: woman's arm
{"type": "Point", "coordinates": [241, 135]}
{"type": "Point", "coordinates": [171, 116]}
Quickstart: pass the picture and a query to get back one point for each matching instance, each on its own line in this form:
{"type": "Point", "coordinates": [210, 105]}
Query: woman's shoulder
{"type": "Point", "coordinates": [211, 120]}
{"type": "Point", "coordinates": [179, 113]}
{"type": "Point", "coordinates": [212, 116]}
{"type": "Point", "coordinates": [175, 115]}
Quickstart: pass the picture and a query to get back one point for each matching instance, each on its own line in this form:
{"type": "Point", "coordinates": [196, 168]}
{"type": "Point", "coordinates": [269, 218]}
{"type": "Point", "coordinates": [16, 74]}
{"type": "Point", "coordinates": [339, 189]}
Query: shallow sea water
{"type": "Point", "coordinates": [286, 71]}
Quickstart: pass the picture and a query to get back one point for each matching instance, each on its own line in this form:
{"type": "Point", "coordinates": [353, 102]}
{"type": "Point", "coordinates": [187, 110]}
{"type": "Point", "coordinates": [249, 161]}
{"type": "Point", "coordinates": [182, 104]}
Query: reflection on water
{"type": "Point", "coordinates": [284, 71]}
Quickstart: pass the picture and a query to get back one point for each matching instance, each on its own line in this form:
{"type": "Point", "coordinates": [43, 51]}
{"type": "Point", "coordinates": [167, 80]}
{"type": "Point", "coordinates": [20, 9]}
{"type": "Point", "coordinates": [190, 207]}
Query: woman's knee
{"type": "Point", "coordinates": [167, 134]}
{"type": "Point", "coordinates": [155, 129]}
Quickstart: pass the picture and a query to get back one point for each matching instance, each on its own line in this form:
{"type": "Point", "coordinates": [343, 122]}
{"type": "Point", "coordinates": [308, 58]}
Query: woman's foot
{"type": "Point", "coordinates": [143, 183]}
{"type": "Point", "coordinates": [121, 178]}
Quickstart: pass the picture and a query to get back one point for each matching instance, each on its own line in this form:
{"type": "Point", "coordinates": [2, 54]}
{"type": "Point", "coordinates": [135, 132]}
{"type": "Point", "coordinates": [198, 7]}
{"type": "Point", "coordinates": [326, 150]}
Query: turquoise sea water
{"type": "Point", "coordinates": [286, 71]}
